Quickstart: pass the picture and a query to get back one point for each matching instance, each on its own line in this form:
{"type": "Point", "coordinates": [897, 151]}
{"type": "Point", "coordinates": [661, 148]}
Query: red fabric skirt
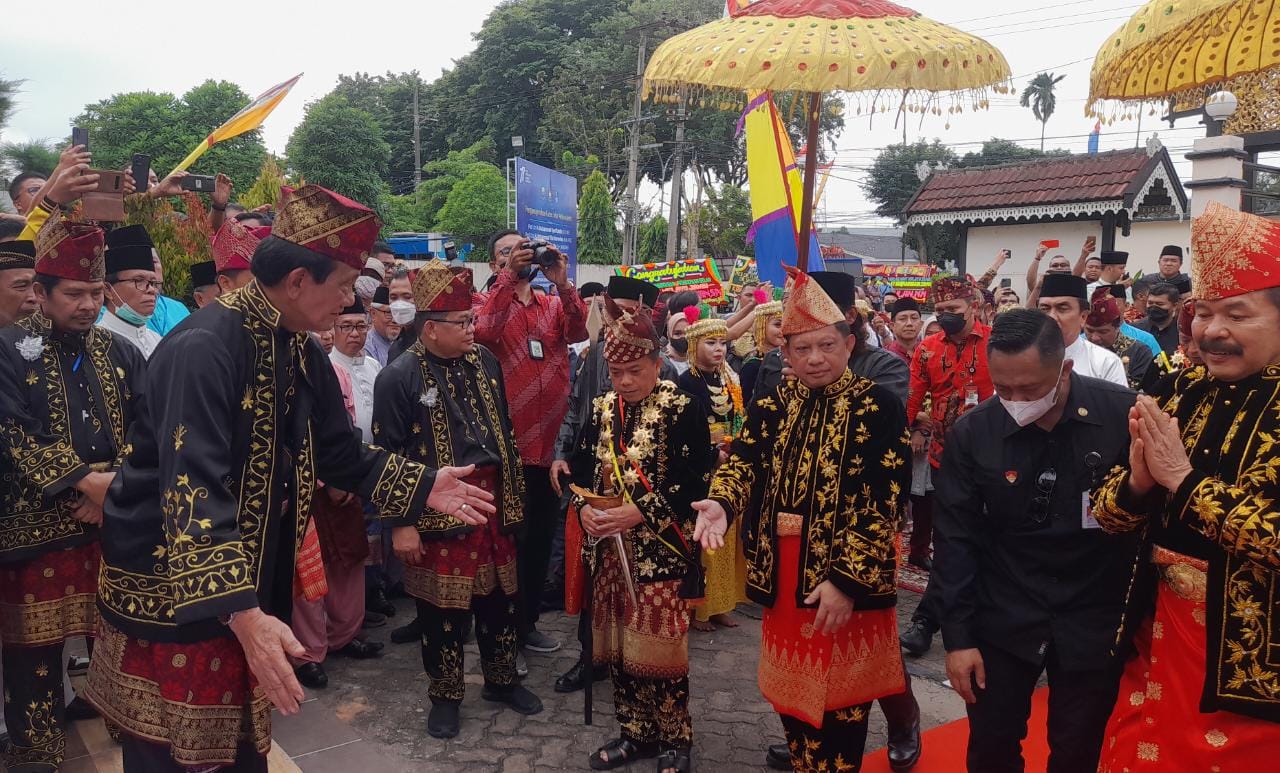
{"type": "Point", "coordinates": [50, 598]}
{"type": "Point", "coordinates": [805, 673]}
{"type": "Point", "coordinates": [1157, 724]}
{"type": "Point", "coordinates": [478, 562]}
{"type": "Point", "coordinates": [199, 698]}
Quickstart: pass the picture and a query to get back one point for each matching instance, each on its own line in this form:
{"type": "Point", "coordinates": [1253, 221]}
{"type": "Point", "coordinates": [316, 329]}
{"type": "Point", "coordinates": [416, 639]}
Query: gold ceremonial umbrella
{"type": "Point", "coordinates": [815, 46]}
{"type": "Point", "coordinates": [1182, 50]}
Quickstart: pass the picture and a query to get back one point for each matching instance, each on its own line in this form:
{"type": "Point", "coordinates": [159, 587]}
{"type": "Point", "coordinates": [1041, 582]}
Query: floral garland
{"type": "Point", "coordinates": [643, 438]}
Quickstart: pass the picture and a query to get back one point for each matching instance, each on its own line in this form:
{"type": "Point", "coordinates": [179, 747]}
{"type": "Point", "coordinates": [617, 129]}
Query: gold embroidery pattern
{"type": "Point", "coordinates": [98, 344]}
{"type": "Point", "coordinates": [138, 596]}
{"type": "Point", "coordinates": [397, 486]}
{"type": "Point", "coordinates": [42, 623]}
{"type": "Point", "coordinates": [1224, 246]}
{"type": "Point", "coordinates": [1215, 738]}
{"type": "Point", "coordinates": [449, 592]}
{"type": "Point", "coordinates": [199, 735]}
{"type": "Point", "coordinates": [304, 489]}
{"type": "Point", "coordinates": [199, 569]}
{"type": "Point", "coordinates": [1148, 752]}
{"type": "Point", "coordinates": [45, 742]}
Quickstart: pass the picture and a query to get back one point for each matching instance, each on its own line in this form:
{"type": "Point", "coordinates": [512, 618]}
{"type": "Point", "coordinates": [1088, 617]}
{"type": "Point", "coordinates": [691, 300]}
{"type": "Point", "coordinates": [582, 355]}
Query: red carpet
{"type": "Point", "coordinates": [944, 746]}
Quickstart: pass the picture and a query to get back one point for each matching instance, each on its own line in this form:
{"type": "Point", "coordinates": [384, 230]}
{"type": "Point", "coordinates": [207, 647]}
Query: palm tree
{"type": "Point", "coordinates": [30, 156]}
{"type": "Point", "coordinates": [8, 91]}
{"type": "Point", "coordinates": [1039, 96]}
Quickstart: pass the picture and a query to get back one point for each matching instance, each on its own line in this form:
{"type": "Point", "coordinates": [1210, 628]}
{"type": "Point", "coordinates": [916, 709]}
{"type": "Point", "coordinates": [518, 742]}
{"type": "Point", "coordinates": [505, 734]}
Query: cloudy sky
{"type": "Point", "coordinates": [79, 52]}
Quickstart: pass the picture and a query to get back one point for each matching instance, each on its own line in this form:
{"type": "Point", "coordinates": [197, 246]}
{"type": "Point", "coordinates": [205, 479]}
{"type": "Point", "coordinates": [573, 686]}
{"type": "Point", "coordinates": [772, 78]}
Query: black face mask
{"type": "Point", "coordinates": [1158, 315]}
{"type": "Point", "coordinates": [680, 346]}
{"type": "Point", "coordinates": [951, 323]}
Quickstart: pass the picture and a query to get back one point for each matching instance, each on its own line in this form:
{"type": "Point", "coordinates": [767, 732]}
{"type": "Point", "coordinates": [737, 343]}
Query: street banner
{"type": "Point", "coordinates": [547, 208]}
{"type": "Point", "coordinates": [909, 280]}
{"type": "Point", "coordinates": [701, 276]}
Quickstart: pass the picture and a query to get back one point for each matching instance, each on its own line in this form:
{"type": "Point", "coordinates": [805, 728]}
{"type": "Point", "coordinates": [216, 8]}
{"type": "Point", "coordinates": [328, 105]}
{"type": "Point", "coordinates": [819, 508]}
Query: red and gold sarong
{"type": "Point", "coordinates": [805, 673]}
{"type": "Point", "coordinates": [50, 598]}
{"type": "Point", "coordinates": [649, 638]}
{"type": "Point", "coordinates": [198, 698]}
{"type": "Point", "coordinates": [1157, 724]}
{"type": "Point", "coordinates": [574, 574]}
{"type": "Point", "coordinates": [475, 563]}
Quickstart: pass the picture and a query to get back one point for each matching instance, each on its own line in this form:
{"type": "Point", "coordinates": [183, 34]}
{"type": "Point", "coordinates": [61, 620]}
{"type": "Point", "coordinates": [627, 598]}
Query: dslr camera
{"type": "Point", "coordinates": [544, 256]}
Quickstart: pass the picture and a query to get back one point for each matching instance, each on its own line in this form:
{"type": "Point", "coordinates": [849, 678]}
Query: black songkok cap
{"type": "Point", "coordinates": [204, 273]}
{"type": "Point", "coordinates": [627, 288]}
{"type": "Point", "coordinates": [1112, 258]}
{"type": "Point", "coordinates": [838, 286]}
{"type": "Point", "coordinates": [1065, 286]}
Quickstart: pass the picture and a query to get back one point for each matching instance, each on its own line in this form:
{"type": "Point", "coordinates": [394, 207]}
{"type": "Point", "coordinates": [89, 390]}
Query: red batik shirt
{"type": "Point", "coordinates": [537, 389]}
{"type": "Point", "coordinates": [948, 375]}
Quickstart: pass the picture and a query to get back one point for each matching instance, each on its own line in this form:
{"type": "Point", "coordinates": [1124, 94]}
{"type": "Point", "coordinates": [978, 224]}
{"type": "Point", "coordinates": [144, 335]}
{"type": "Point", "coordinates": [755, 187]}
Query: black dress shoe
{"type": "Point", "coordinates": [407, 633]}
{"type": "Point", "coordinates": [518, 698]}
{"type": "Point", "coordinates": [923, 563]}
{"type": "Point", "coordinates": [312, 675]}
{"type": "Point", "coordinates": [360, 649]}
{"type": "Point", "coordinates": [79, 709]}
{"type": "Point", "coordinates": [918, 637]}
{"type": "Point", "coordinates": [778, 757]}
{"type": "Point", "coordinates": [373, 619]}
{"type": "Point", "coordinates": [571, 680]}
{"type": "Point", "coordinates": [905, 746]}
{"type": "Point", "coordinates": [443, 720]}
{"type": "Point", "coordinates": [376, 600]}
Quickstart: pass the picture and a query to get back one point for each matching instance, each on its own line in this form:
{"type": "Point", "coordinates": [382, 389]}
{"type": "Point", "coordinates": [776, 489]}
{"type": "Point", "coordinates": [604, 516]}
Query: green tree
{"type": "Point", "coordinates": [997, 151]}
{"type": "Point", "coordinates": [389, 99]}
{"type": "Point", "coordinates": [30, 156]}
{"type": "Point", "coordinates": [1039, 96]}
{"type": "Point", "coordinates": [8, 95]}
{"type": "Point", "coordinates": [893, 179]}
{"type": "Point", "coordinates": [442, 174]}
{"type": "Point", "coordinates": [475, 208]}
{"type": "Point", "coordinates": [167, 128]}
{"type": "Point", "coordinates": [726, 218]}
{"type": "Point", "coordinates": [598, 239]}
{"type": "Point", "coordinates": [341, 148]}
{"type": "Point", "coordinates": [653, 241]}
{"type": "Point", "coordinates": [266, 189]}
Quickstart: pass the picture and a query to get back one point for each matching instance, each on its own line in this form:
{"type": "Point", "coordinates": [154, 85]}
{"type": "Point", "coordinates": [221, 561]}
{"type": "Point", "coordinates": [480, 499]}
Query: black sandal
{"type": "Point", "coordinates": [675, 759]}
{"type": "Point", "coordinates": [621, 751]}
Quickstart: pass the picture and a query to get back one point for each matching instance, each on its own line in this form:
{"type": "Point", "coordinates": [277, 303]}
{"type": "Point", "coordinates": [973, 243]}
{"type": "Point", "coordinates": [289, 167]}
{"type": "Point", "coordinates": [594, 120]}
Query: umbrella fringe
{"type": "Point", "coordinates": [925, 102]}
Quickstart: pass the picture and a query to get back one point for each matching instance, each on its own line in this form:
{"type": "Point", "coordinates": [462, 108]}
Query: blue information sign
{"type": "Point", "coordinates": [547, 208]}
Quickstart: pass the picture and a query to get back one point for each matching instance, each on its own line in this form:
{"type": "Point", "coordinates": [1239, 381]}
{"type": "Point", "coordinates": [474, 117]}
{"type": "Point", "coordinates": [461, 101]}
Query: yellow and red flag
{"type": "Point", "coordinates": [248, 119]}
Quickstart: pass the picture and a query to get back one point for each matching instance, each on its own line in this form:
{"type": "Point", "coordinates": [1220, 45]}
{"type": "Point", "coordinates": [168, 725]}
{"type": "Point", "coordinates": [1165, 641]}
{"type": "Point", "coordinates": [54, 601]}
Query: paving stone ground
{"type": "Point", "coordinates": [384, 701]}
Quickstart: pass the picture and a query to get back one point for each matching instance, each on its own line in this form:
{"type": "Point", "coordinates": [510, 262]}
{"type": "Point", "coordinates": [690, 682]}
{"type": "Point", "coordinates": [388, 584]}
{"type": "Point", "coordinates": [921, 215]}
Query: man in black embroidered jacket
{"type": "Point", "coordinates": [208, 512]}
{"type": "Point", "coordinates": [68, 393]}
{"type": "Point", "coordinates": [442, 403]}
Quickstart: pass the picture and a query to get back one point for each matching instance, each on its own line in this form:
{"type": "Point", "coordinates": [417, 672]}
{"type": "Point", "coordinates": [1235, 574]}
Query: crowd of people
{"type": "Point", "coordinates": [220, 499]}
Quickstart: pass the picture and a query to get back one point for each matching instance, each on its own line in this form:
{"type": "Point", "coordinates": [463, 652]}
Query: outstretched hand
{"type": "Point", "coordinates": [453, 496]}
{"type": "Point", "coordinates": [268, 644]}
{"type": "Point", "coordinates": [711, 525]}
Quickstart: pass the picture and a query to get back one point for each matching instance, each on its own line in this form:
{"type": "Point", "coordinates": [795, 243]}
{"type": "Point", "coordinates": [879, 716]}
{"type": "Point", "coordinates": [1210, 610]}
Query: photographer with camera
{"type": "Point", "coordinates": [530, 334]}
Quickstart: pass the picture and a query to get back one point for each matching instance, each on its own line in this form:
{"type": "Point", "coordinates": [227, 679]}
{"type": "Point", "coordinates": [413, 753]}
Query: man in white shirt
{"type": "Point", "coordinates": [1065, 298]}
{"type": "Point", "coordinates": [131, 290]}
{"type": "Point", "coordinates": [350, 330]}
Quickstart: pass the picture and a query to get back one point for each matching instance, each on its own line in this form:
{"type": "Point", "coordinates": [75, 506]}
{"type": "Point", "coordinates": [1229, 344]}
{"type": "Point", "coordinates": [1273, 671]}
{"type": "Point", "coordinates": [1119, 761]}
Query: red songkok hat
{"type": "Point", "coordinates": [70, 250]}
{"type": "Point", "coordinates": [627, 336]}
{"type": "Point", "coordinates": [950, 288]}
{"type": "Point", "coordinates": [1104, 310]}
{"type": "Point", "coordinates": [233, 245]}
{"type": "Point", "coordinates": [807, 306]}
{"type": "Point", "coordinates": [436, 288]}
{"type": "Point", "coordinates": [1234, 253]}
{"type": "Point", "coordinates": [329, 224]}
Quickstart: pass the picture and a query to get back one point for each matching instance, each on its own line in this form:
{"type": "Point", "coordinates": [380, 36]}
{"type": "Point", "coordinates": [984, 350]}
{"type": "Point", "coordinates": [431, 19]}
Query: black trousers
{"type": "Point", "coordinates": [921, 525]}
{"type": "Point", "coordinates": [1080, 703]}
{"type": "Point", "coordinates": [443, 631]}
{"type": "Point", "coordinates": [533, 551]}
{"type": "Point", "coordinates": [929, 610]}
{"type": "Point", "coordinates": [843, 737]}
{"type": "Point", "coordinates": [900, 711]}
{"type": "Point", "coordinates": [145, 757]}
{"type": "Point", "coordinates": [34, 708]}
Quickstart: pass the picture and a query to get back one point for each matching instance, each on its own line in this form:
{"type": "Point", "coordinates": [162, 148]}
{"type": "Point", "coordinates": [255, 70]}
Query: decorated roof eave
{"type": "Point", "coordinates": [1158, 167]}
{"type": "Point", "coordinates": [1017, 215]}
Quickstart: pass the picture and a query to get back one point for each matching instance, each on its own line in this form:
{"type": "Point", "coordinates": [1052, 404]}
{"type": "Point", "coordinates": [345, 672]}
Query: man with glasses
{"type": "Point", "coordinates": [131, 290]}
{"type": "Point", "coordinates": [1029, 582]}
{"type": "Point", "coordinates": [443, 401]}
{"type": "Point", "coordinates": [530, 334]}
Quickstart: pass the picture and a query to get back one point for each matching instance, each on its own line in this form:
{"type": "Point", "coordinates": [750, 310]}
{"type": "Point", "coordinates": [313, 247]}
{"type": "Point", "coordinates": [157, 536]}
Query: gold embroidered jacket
{"type": "Point", "coordinates": [840, 457]}
{"type": "Point", "coordinates": [1224, 512]}
{"type": "Point", "coordinates": [212, 503]}
{"type": "Point", "coordinates": [664, 452]}
{"type": "Point", "coordinates": [446, 413]}
{"type": "Point", "coordinates": [67, 402]}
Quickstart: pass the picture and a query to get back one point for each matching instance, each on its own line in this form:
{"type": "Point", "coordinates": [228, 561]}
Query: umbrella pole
{"type": "Point", "coordinates": [810, 172]}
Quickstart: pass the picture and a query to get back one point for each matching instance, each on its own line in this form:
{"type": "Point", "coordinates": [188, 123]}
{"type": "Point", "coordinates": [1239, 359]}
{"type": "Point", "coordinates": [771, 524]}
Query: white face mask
{"type": "Point", "coordinates": [403, 312]}
{"type": "Point", "coordinates": [1029, 412]}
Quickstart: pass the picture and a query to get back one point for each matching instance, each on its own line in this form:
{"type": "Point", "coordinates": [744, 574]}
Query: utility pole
{"type": "Point", "coordinates": [677, 175]}
{"type": "Point", "coordinates": [631, 229]}
{"type": "Point", "coordinates": [417, 135]}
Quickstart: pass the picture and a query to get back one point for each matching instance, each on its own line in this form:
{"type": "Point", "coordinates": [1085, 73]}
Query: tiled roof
{"type": "Point", "coordinates": [1061, 180]}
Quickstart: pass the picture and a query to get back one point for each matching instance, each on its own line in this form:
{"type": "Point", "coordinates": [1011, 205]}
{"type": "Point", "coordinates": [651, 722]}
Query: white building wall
{"type": "Point", "coordinates": [1143, 245]}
